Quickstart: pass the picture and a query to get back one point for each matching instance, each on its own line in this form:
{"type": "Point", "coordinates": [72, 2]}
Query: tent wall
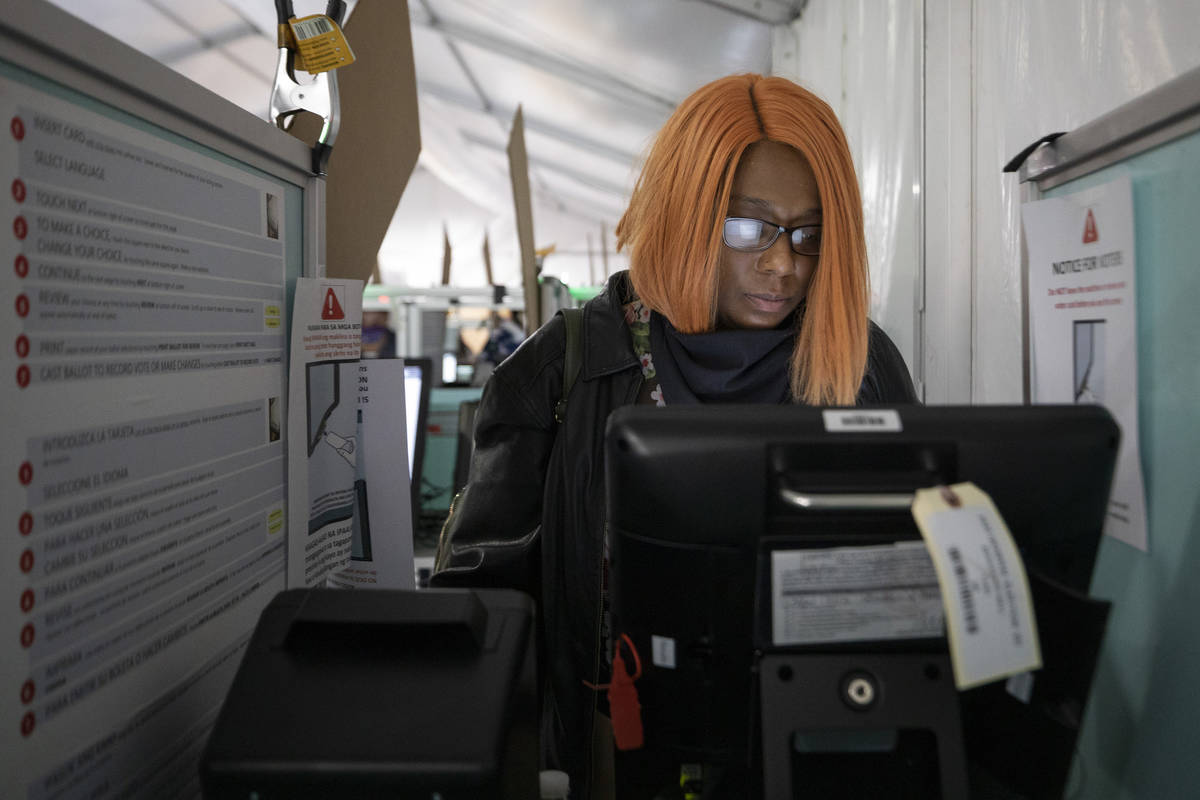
{"type": "Point", "coordinates": [936, 97]}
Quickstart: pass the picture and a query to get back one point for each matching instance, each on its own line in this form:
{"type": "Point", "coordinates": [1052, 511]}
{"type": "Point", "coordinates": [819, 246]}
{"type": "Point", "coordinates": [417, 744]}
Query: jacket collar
{"type": "Point", "coordinates": [607, 346]}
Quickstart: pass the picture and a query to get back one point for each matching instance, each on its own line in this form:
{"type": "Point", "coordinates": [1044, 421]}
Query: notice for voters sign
{"type": "Point", "coordinates": [1083, 324]}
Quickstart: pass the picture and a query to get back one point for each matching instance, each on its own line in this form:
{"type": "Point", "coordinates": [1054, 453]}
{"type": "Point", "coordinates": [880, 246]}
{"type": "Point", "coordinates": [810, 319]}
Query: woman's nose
{"type": "Point", "coordinates": [778, 259]}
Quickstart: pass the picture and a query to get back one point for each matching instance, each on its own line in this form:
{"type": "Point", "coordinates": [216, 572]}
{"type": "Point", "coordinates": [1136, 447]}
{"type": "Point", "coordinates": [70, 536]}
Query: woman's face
{"type": "Point", "coordinates": [773, 183]}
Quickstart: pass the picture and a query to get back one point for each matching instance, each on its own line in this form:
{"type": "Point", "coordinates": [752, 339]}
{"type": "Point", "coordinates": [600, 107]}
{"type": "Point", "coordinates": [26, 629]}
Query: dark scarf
{"type": "Point", "coordinates": [733, 366]}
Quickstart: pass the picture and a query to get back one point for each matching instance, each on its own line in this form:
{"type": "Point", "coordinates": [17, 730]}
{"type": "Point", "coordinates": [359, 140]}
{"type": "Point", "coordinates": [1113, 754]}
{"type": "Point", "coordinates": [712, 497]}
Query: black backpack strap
{"type": "Point", "coordinates": [572, 357]}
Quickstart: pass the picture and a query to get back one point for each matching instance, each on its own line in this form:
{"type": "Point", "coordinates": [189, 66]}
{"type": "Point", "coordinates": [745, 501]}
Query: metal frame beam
{"type": "Point", "coordinates": [612, 86]}
{"type": "Point", "coordinates": [203, 42]}
{"type": "Point", "coordinates": [591, 181]}
{"type": "Point", "coordinates": [776, 12]}
{"type": "Point", "coordinates": [456, 98]}
{"type": "Point", "coordinates": [562, 198]}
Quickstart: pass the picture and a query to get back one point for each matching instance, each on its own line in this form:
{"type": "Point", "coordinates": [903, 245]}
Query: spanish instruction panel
{"type": "Point", "coordinates": [143, 384]}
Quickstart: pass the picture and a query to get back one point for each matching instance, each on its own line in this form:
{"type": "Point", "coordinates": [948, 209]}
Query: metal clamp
{"type": "Point", "coordinates": [318, 94]}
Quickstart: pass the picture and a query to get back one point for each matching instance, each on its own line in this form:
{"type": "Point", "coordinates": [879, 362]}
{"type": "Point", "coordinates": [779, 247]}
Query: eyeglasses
{"type": "Point", "coordinates": [753, 235]}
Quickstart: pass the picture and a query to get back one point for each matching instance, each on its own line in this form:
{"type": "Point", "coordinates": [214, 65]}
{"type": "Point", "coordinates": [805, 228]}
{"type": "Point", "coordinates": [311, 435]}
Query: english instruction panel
{"type": "Point", "coordinates": [143, 373]}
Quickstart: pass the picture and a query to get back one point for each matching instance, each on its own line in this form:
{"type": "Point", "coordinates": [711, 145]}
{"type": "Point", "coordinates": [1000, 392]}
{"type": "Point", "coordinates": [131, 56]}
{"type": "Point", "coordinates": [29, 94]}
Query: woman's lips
{"type": "Point", "coordinates": [768, 303]}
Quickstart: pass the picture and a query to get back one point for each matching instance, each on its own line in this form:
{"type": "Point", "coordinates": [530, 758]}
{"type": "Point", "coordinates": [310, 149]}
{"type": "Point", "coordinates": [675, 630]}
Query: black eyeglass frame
{"type": "Point", "coordinates": [779, 229]}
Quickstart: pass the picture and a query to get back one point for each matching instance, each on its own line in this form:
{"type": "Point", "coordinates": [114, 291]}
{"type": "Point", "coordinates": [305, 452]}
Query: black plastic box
{"type": "Point", "coordinates": [376, 693]}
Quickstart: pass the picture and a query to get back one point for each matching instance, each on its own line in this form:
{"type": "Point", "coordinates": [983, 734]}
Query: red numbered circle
{"type": "Point", "coordinates": [25, 524]}
{"type": "Point", "coordinates": [27, 635]}
{"type": "Point", "coordinates": [21, 266]}
{"type": "Point", "coordinates": [18, 190]}
{"type": "Point", "coordinates": [18, 128]}
{"type": "Point", "coordinates": [28, 691]}
{"type": "Point", "coordinates": [23, 375]}
{"type": "Point", "coordinates": [27, 561]}
{"type": "Point", "coordinates": [27, 723]}
{"type": "Point", "coordinates": [27, 600]}
{"type": "Point", "coordinates": [22, 346]}
{"type": "Point", "coordinates": [22, 306]}
{"type": "Point", "coordinates": [25, 474]}
{"type": "Point", "coordinates": [20, 227]}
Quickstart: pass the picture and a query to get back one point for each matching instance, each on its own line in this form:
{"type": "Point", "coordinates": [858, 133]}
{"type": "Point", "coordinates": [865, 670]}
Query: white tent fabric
{"type": "Point", "coordinates": [595, 80]}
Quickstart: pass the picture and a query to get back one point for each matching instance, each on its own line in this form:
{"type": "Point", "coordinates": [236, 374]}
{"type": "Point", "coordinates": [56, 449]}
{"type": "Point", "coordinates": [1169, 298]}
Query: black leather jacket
{"type": "Point", "coordinates": [532, 514]}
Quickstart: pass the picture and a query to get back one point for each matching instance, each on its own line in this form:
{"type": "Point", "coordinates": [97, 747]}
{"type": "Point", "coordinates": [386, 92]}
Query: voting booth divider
{"type": "Point", "coordinates": [1135, 742]}
{"type": "Point", "coordinates": [155, 239]}
{"type": "Point", "coordinates": [154, 234]}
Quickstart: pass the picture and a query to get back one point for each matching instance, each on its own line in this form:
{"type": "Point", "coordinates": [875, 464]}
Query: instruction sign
{"type": "Point", "coordinates": [323, 461]}
{"type": "Point", "coordinates": [854, 594]}
{"type": "Point", "coordinates": [142, 378]}
{"type": "Point", "coordinates": [1083, 325]}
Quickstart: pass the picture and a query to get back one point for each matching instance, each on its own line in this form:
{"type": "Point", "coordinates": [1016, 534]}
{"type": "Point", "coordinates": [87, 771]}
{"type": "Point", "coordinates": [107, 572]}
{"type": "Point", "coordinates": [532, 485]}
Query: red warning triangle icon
{"type": "Point", "coordinates": [331, 308]}
{"type": "Point", "coordinates": [1090, 234]}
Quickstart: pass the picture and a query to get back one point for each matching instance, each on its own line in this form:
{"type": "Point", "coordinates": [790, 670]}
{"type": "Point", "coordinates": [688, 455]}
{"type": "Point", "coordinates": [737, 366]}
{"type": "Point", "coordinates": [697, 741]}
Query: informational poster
{"type": "Point", "coordinates": [1083, 324]}
{"type": "Point", "coordinates": [323, 453]}
{"type": "Point", "coordinates": [143, 481]}
{"type": "Point", "coordinates": [381, 548]}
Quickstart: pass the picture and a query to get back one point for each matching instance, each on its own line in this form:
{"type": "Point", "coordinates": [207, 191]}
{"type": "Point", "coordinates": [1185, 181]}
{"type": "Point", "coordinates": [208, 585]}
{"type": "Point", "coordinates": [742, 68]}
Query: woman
{"type": "Point", "coordinates": [747, 283]}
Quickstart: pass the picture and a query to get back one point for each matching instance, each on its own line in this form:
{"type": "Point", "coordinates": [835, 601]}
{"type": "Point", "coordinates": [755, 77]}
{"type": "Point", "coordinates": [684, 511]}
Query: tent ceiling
{"type": "Point", "coordinates": [595, 80]}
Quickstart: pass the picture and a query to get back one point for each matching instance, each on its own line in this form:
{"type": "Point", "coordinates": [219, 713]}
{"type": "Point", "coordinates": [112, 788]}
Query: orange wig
{"type": "Point", "coordinates": [672, 228]}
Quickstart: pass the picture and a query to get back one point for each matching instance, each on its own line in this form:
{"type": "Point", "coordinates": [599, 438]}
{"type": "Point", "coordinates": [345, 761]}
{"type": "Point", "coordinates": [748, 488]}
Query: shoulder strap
{"type": "Point", "coordinates": [572, 358]}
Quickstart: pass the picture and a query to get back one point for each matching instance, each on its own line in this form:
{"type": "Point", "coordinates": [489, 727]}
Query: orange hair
{"type": "Point", "coordinates": [672, 228]}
